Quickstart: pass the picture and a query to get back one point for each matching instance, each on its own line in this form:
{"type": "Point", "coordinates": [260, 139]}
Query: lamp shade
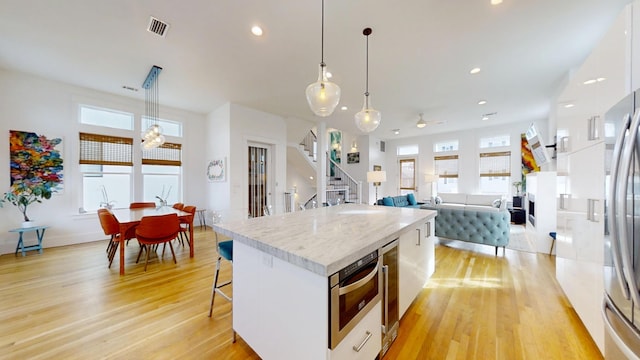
{"type": "Point", "coordinates": [367, 119]}
{"type": "Point", "coordinates": [376, 176]}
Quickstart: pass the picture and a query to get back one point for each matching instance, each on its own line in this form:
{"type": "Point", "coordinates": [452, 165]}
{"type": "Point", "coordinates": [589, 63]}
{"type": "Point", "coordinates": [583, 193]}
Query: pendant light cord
{"type": "Point", "coordinates": [322, 38]}
{"type": "Point", "coordinates": [367, 69]}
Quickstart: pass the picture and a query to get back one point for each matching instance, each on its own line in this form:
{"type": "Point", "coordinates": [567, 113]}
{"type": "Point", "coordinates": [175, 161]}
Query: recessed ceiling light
{"type": "Point", "coordinates": [474, 71]}
{"type": "Point", "coordinates": [482, 102]}
{"type": "Point", "coordinates": [590, 81]}
{"type": "Point", "coordinates": [311, 177]}
{"type": "Point", "coordinates": [496, 2]}
{"type": "Point", "coordinates": [601, 79]}
{"type": "Point", "coordinates": [256, 30]}
{"type": "Point", "coordinates": [344, 108]}
{"type": "Point", "coordinates": [484, 118]}
{"type": "Point", "coordinates": [396, 131]}
{"type": "Point", "coordinates": [569, 106]}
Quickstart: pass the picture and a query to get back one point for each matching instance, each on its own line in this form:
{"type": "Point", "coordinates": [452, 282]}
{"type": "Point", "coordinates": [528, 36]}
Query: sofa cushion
{"type": "Point", "coordinates": [387, 201]}
{"type": "Point", "coordinates": [400, 201]}
{"type": "Point", "coordinates": [454, 198]}
{"type": "Point", "coordinates": [412, 199]}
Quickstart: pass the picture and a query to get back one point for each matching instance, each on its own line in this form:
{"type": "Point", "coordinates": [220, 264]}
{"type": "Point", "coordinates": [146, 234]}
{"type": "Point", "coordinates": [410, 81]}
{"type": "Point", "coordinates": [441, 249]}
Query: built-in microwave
{"type": "Point", "coordinates": [354, 291]}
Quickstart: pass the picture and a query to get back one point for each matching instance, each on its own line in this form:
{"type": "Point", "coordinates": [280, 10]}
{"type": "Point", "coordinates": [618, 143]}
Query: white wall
{"type": "Point", "coordinates": [31, 103]}
{"type": "Point", "coordinates": [468, 163]}
{"type": "Point", "coordinates": [241, 126]}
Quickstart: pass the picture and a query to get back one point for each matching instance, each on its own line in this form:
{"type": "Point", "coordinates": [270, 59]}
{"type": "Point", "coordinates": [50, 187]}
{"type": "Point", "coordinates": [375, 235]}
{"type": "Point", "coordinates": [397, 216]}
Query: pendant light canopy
{"type": "Point", "coordinates": [323, 96]}
{"type": "Point", "coordinates": [368, 119]}
{"type": "Point", "coordinates": [152, 137]}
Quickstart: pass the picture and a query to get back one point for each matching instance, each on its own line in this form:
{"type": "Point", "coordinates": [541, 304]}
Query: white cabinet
{"type": "Point", "coordinates": [580, 241]}
{"type": "Point", "coordinates": [541, 218]}
{"type": "Point", "coordinates": [416, 262]}
{"type": "Point", "coordinates": [363, 342]}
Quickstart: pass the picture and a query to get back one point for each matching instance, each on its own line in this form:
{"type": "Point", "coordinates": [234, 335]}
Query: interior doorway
{"type": "Point", "coordinates": [259, 162]}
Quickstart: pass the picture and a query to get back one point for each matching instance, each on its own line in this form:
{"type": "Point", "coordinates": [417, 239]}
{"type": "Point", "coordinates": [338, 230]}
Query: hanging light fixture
{"type": "Point", "coordinates": [152, 137]}
{"type": "Point", "coordinates": [323, 96]}
{"type": "Point", "coordinates": [421, 123]}
{"type": "Point", "coordinates": [368, 118]}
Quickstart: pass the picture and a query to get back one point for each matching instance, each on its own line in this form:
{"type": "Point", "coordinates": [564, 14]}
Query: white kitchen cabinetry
{"type": "Point", "coordinates": [581, 174]}
{"type": "Point", "coordinates": [363, 342]}
{"type": "Point", "coordinates": [416, 262]}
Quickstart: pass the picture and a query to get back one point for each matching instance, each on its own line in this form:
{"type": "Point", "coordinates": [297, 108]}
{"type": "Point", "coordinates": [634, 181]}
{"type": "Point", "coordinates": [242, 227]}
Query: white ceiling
{"type": "Point", "coordinates": [420, 53]}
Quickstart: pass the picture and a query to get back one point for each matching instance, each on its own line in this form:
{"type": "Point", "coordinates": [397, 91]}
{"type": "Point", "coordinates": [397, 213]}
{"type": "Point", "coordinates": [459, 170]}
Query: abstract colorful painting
{"type": "Point", "coordinates": [528, 161]}
{"type": "Point", "coordinates": [35, 161]}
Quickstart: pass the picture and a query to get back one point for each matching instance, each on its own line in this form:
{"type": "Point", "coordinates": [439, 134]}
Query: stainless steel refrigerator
{"type": "Point", "coordinates": [621, 305]}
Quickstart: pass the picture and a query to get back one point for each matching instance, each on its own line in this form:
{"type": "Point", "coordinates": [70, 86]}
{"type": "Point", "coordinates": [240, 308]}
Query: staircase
{"type": "Point", "coordinates": [340, 186]}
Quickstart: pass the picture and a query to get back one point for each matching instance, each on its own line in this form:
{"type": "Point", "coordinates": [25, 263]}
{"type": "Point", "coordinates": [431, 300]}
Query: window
{"type": "Point", "coordinates": [447, 170]}
{"type": "Point", "coordinates": [104, 117]}
{"type": "Point", "coordinates": [495, 141]}
{"type": "Point", "coordinates": [161, 169]}
{"type": "Point", "coordinates": [407, 150]}
{"type": "Point", "coordinates": [407, 176]}
{"type": "Point", "coordinates": [109, 174]}
{"type": "Point", "coordinates": [445, 146]}
{"type": "Point", "coordinates": [495, 172]}
{"type": "Point", "coordinates": [106, 165]}
{"type": "Point", "coordinates": [169, 128]}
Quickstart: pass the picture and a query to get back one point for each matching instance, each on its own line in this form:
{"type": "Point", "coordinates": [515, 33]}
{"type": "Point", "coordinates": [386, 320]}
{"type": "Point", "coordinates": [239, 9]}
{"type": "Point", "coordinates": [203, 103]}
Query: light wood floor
{"type": "Point", "coordinates": [66, 304]}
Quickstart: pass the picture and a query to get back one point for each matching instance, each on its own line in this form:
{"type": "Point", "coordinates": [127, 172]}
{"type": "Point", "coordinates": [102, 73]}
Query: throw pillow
{"type": "Point", "coordinates": [412, 199]}
{"type": "Point", "coordinates": [438, 200]}
{"type": "Point", "coordinates": [496, 203]}
{"type": "Point", "coordinates": [387, 201]}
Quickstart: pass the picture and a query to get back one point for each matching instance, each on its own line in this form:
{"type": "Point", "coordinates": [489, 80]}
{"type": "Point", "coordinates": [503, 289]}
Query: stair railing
{"type": "Point", "coordinates": [339, 179]}
{"type": "Point", "coordinates": [310, 144]}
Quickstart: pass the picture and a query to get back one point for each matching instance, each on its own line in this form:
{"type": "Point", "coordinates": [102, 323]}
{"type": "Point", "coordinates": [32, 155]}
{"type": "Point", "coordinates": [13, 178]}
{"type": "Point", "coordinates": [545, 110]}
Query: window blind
{"type": "Point", "coordinates": [446, 166]}
{"type": "Point", "coordinates": [165, 154]}
{"type": "Point", "coordinates": [105, 150]}
{"type": "Point", "coordinates": [495, 164]}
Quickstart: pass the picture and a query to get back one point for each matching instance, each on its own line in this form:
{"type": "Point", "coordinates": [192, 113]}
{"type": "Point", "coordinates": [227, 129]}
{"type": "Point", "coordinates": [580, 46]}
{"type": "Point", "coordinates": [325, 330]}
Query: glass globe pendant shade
{"type": "Point", "coordinates": [323, 96]}
{"type": "Point", "coordinates": [368, 119]}
{"type": "Point", "coordinates": [152, 132]}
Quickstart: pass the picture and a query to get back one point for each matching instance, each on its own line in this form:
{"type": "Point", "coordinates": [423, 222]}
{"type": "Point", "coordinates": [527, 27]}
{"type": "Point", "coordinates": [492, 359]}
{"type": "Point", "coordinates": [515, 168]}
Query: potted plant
{"type": "Point", "coordinates": [517, 185]}
{"type": "Point", "coordinates": [24, 194]}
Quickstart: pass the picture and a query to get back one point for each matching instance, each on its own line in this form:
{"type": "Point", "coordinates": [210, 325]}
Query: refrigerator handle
{"type": "Point", "coordinates": [613, 225]}
{"type": "Point", "coordinates": [621, 206]}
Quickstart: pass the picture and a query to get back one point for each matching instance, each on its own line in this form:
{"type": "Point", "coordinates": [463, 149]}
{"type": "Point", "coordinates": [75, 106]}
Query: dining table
{"type": "Point", "coordinates": [128, 218]}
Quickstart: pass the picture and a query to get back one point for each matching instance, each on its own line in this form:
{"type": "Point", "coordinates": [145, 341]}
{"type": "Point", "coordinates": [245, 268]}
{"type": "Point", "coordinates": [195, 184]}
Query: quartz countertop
{"type": "Point", "coordinates": [326, 239]}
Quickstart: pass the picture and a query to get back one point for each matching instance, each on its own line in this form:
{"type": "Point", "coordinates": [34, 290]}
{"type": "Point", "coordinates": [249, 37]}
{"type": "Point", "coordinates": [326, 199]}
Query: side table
{"type": "Point", "coordinates": [517, 216]}
{"type": "Point", "coordinates": [201, 217]}
{"type": "Point", "coordinates": [39, 230]}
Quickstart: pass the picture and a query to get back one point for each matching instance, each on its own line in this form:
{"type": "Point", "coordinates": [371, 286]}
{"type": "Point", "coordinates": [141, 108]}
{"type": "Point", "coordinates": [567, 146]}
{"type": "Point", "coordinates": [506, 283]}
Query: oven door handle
{"type": "Point", "coordinates": [351, 287]}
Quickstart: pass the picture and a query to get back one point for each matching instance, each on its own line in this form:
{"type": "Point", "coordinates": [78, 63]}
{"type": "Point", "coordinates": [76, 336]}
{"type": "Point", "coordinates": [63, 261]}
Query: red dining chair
{"type": "Point", "coordinates": [178, 206]}
{"type": "Point", "coordinates": [140, 205]}
{"type": "Point", "coordinates": [154, 230]}
{"type": "Point", "coordinates": [186, 223]}
{"type": "Point", "coordinates": [111, 227]}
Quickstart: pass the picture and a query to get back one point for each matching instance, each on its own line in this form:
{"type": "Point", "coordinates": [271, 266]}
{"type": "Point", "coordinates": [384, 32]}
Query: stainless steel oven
{"type": "Point", "coordinates": [354, 291]}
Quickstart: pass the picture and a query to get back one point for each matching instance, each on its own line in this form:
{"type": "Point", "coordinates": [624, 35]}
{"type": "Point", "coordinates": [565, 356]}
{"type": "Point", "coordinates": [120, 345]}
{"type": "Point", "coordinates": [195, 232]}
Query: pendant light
{"type": "Point", "coordinates": [152, 138]}
{"type": "Point", "coordinates": [367, 119]}
{"type": "Point", "coordinates": [421, 123]}
{"type": "Point", "coordinates": [323, 96]}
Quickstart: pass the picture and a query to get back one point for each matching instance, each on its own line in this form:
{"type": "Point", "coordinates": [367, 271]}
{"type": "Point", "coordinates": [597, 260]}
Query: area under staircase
{"type": "Point", "coordinates": [340, 186]}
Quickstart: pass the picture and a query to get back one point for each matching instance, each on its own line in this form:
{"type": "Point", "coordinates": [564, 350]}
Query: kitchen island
{"type": "Point", "coordinates": [282, 264]}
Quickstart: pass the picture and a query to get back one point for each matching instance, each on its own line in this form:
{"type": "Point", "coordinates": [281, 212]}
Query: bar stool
{"type": "Point", "coordinates": [225, 250]}
{"type": "Point", "coordinates": [553, 242]}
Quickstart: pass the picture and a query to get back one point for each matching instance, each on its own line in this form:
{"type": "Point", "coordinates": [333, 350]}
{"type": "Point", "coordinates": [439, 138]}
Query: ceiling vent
{"type": "Point", "coordinates": [157, 27]}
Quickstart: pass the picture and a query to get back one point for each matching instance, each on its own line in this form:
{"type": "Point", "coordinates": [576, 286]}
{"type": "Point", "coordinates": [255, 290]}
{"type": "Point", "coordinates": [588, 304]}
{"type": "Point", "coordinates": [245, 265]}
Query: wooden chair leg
{"type": "Point", "coordinates": [112, 254]}
{"type": "Point", "coordinates": [172, 253]}
{"type": "Point", "coordinates": [146, 261]}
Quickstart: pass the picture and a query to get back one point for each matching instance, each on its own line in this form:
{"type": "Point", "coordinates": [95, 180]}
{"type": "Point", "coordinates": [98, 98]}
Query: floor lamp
{"type": "Point", "coordinates": [376, 177]}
